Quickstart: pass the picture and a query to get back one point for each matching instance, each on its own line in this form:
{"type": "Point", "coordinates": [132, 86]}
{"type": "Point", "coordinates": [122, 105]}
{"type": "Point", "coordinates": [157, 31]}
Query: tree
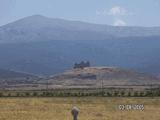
{"type": "Point", "coordinates": [17, 94]}
{"type": "Point", "coordinates": [148, 93]}
{"type": "Point", "coordinates": [35, 94]}
{"type": "Point", "coordinates": [141, 94]}
{"type": "Point", "coordinates": [9, 95]}
{"type": "Point", "coordinates": [122, 93]}
{"type": "Point", "coordinates": [129, 94]}
{"type": "Point", "coordinates": [116, 93]}
{"type": "Point", "coordinates": [109, 94]}
{"type": "Point", "coordinates": [1, 94]}
{"type": "Point", "coordinates": [27, 94]}
{"type": "Point", "coordinates": [135, 94]}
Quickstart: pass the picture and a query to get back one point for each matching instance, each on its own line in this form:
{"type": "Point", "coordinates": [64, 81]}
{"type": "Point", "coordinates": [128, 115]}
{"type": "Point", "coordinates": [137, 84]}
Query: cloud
{"type": "Point", "coordinates": [117, 10]}
{"type": "Point", "coordinates": [120, 23]}
{"type": "Point", "coordinates": [114, 11]}
{"type": "Point", "coordinates": [117, 13]}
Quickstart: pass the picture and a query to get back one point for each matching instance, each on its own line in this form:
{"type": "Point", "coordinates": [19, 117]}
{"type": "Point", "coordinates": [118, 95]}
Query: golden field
{"type": "Point", "coordinates": [91, 108]}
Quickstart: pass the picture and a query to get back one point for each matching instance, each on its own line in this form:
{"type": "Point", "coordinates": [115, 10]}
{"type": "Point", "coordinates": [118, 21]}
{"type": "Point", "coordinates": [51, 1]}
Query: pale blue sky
{"type": "Point", "coordinates": [111, 12]}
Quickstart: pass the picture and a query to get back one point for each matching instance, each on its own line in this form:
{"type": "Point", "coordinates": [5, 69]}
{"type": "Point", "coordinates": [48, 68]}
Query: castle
{"type": "Point", "coordinates": [81, 65]}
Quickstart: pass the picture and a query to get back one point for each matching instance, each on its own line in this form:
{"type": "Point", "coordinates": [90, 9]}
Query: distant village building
{"type": "Point", "coordinates": [81, 65]}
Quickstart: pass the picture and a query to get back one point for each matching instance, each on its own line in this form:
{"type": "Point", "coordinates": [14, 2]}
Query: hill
{"type": "Point", "coordinates": [8, 78]}
{"type": "Point", "coordinates": [96, 76]}
{"type": "Point", "coordinates": [89, 77]}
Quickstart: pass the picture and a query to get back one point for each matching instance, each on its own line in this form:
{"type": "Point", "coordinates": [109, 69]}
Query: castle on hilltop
{"type": "Point", "coordinates": [81, 65]}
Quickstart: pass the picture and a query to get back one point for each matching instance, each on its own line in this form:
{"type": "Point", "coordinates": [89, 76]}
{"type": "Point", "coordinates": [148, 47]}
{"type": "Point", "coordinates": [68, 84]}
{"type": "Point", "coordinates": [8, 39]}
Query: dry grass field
{"type": "Point", "coordinates": [91, 108]}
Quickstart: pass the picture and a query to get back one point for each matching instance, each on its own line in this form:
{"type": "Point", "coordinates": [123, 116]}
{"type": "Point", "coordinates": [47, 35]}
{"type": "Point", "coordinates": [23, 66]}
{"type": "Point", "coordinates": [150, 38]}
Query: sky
{"type": "Point", "coordinates": [111, 12]}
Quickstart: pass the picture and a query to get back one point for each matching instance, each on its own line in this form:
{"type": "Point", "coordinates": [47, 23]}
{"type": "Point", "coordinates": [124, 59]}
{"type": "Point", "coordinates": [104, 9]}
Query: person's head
{"type": "Point", "coordinates": [75, 111]}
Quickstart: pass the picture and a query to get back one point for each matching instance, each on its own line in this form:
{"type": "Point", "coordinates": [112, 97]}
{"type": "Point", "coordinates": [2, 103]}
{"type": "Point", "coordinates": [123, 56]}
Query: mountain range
{"type": "Point", "coordinates": [47, 46]}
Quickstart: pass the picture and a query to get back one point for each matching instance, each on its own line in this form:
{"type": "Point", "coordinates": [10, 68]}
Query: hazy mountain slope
{"type": "Point", "coordinates": [40, 28]}
{"type": "Point", "coordinates": [56, 56]}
